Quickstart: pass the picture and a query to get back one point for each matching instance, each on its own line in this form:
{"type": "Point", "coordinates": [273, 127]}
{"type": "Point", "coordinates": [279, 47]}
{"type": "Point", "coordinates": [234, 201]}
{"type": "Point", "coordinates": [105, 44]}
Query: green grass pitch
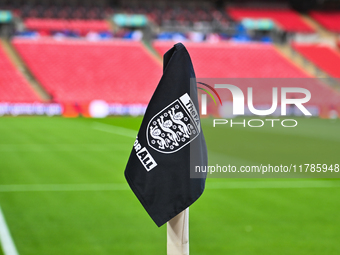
{"type": "Point", "coordinates": [53, 151]}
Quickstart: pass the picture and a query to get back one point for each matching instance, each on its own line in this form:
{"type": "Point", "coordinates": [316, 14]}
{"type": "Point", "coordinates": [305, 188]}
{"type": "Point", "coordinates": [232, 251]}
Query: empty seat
{"type": "Point", "coordinates": [328, 19]}
{"type": "Point", "coordinates": [322, 56]}
{"type": "Point", "coordinates": [61, 24]}
{"type": "Point", "coordinates": [251, 60]}
{"type": "Point", "coordinates": [13, 86]}
{"type": "Point", "coordinates": [80, 71]}
{"type": "Point", "coordinates": [288, 20]}
{"type": "Point", "coordinates": [254, 60]}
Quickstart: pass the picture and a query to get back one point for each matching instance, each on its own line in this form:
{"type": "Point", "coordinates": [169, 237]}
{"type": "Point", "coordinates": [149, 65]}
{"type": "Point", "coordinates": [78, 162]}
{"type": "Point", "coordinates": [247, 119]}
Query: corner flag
{"type": "Point", "coordinates": [170, 143]}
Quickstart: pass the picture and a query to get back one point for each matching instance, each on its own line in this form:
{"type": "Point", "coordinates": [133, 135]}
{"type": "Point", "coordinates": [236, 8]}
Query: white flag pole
{"type": "Point", "coordinates": [178, 234]}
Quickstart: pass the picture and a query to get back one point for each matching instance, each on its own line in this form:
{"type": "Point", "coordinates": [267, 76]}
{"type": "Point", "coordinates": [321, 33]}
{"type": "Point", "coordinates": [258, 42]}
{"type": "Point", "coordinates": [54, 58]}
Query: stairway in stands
{"type": "Point", "coordinates": [320, 30]}
{"type": "Point", "coordinates": [153, 52]}
{"type": "Point", "coordinates": [21, 66]}
{"type": "Point", "coordinates": [80, 71]}
{"type": "Point", "coordinates": [311, 70]}
{"type": "Point", "coordinates": [303, 63]}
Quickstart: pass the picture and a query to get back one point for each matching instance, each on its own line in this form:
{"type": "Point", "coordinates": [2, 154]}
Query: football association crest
{"type": "Point", "coordinates": [174, 127]}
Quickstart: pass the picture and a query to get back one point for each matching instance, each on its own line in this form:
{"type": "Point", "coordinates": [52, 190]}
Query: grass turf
{"type": "Point", "coordinates": [43, 150]}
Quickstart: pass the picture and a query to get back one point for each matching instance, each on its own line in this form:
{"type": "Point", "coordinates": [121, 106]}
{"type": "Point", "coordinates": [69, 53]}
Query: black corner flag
{"type": "Point", "coordinates": [170, 143]}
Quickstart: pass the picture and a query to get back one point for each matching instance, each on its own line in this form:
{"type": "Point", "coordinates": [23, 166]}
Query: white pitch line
{"type": "Point", "coordinates": [211, 185]}
{"type": "Point", "coordinates": [115, 130]}
{"type": "Point", "coordinates": [6, 240]}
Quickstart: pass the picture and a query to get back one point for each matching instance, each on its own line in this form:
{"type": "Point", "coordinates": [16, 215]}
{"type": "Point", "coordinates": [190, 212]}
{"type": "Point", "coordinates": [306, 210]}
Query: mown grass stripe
{"type": "Point", "coordinates": [115, 130]}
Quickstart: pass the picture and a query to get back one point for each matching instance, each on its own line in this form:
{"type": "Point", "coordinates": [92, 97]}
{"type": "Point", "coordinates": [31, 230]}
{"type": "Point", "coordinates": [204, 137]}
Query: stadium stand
{"type": "Point", "coordinates": [254, 60]}
{"type": "Point", "coordinates": [79, 71]}
{"type": "Point", "coordinates": [287, 19]}
{"type": "Point", "coordinates": [180, 15]}
{"type": "Point", "coordinates": [170, 15]}
{"type": "Point", "coordinates": [13, 86]}
{"type": "Point", "coordinates": [322, 56]}
{"type": "Point", "coordinates": [247, 60]}
{"type": "Point", "coordinates": [58, 11]}
{"type": "Point", "coordinates": [81, 26]}
{"type": "Point", "coordinates": [328, 19]}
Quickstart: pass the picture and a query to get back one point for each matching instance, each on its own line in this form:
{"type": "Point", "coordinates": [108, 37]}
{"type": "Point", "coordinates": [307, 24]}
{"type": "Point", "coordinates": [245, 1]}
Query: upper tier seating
{"type": "Point", "coordinates": [180, 15]}
{"type": "Point", "coordinates": [82, 26]}
{"type": "Point", "coordinates": [56, 10]}
{"type": "Point", "coordinates": [322, 56]}
{"type": "Point", "coordinates": [13, 86]}
{"type": "Point", "coordinates": [329, 19]}
{"type": "Point", "coordinates": [287, 19]}
{"type": "Point", "coordinates": [80, 71]}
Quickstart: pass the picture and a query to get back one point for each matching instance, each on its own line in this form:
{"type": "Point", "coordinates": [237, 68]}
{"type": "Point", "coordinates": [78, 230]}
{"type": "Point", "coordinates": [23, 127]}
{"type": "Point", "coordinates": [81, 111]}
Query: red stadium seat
{"type": "Point", "coordinates": [322, 56]}
{"type": "Point", "coordinates": [329, 19]}
{"type": "Point", "coordinates": [80, 71]}
{"type": "Point", "coordinates": [287, 19]}
{"type": "Point", "coordinates": [254, 60]}
{"type": "Point", "coordinates": [251, 60]}
{"type": "Point", "coordinates": [45, 24]}
{"type": "Point", "coordinates": [61, 24]}
{"type": "Point", "coordinates": [13, 86]}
